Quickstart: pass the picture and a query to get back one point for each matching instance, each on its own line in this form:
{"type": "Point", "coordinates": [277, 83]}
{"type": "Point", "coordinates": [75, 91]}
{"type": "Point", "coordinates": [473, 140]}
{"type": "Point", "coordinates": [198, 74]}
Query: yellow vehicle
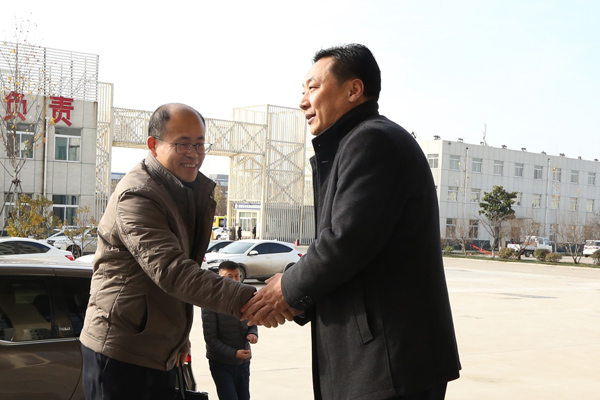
{"type": "Point", "coordinates": [220, 221]}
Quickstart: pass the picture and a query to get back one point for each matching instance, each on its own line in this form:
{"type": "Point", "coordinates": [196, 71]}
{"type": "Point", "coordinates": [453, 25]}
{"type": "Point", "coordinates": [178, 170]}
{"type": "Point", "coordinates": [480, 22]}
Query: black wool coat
{"type": "Point", "coordinates": [372, 283]}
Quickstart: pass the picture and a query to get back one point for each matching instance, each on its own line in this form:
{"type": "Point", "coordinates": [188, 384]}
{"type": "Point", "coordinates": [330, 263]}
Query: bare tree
{"type": "Point", "coordinates": [521, 232]}
{"type": "Point", "coordinates": [462, 233]}
{"type": "Point", "coordinates": [22, 106]}
{"type": "Point", "coordinates": [571, 235]}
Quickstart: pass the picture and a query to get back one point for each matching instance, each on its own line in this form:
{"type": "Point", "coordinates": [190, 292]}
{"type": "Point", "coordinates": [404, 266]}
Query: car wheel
{"type": "Point", "coordinates": [75, 250]}
{"type": "Point", "coordinates": [288, 267]}
{"type": "Point", "coordinates": [242, 273]}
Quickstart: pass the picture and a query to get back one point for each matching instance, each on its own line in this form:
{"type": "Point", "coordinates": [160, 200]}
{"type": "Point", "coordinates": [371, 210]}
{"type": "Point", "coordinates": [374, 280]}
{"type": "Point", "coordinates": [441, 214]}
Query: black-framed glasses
{"type": "Point", "coordinates": [184, 148]}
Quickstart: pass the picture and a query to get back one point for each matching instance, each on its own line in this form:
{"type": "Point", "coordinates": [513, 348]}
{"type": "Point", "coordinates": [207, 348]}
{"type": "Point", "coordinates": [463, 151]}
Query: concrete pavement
{"type": "Point", "coordinates": [525, 331]}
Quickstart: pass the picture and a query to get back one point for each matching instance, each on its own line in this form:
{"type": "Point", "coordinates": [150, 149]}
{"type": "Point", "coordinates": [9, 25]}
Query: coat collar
{"type": "Point", "coordinates": [331, 136]}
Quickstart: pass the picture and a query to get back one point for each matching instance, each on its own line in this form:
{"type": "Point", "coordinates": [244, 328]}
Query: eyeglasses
{"type": "Point", "coordinates": [184, 148]}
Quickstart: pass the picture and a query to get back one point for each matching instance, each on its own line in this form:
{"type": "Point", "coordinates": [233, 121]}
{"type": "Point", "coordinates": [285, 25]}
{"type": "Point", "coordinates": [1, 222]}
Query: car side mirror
{"type": "Point", "coordinates": [253, 253]}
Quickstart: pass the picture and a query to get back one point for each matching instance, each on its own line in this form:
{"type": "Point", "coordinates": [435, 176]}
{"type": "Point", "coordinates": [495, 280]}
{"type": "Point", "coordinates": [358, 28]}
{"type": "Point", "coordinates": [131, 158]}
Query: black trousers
{"type": "Point", "coordinates": [434, 393]}
{"type": "Point", "coordinates": [105, 378]}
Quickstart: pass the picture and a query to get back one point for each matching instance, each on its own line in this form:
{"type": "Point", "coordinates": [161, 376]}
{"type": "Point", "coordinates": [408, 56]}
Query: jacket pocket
{"type": "Point", "coordinates": [360, 313]}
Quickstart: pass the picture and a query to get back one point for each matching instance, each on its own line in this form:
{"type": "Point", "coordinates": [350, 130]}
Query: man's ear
{"type": "Point", "coordinates": [151, 142]}
{"type": "Point", "coordinates": [356, 90]}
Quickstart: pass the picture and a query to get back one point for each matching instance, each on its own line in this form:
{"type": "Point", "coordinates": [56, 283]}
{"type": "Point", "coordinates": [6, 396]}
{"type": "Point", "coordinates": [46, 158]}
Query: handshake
{"type": "Point", "coordinates": [267, 307]}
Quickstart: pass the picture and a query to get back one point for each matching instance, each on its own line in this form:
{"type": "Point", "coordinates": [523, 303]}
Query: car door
{"type": "Point", "coordinates": [259, 264]}
{"type": "Point", "coordinates": [281, 256]}
{"type": "Point", "coordinates": [39, 353]}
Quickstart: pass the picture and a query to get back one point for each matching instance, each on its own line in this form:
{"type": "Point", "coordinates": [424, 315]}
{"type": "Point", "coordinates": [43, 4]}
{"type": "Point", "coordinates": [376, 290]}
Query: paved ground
{"type": "Point", "coordinates": [524, 332]}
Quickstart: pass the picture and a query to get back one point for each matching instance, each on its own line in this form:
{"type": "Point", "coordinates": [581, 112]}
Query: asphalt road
{"type": "Point", "coordinates": [525, 331]}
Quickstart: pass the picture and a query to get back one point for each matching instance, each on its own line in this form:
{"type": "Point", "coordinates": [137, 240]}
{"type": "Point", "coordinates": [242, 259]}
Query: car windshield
{"type": "Point", "coordinates": [236, 248]}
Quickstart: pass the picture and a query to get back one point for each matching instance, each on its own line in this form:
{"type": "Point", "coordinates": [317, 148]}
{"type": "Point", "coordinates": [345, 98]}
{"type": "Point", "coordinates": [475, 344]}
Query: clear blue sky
{"type": "Point", "coordinates": [529, 70]}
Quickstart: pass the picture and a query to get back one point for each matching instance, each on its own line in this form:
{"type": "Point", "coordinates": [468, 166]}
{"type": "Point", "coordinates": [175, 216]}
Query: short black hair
{"type": "Point", "coordinates": [229, 266]}
{"type": "Point", "coordinates": [354, 61]}
{"type": "Point", "coordinates": [162, 115]}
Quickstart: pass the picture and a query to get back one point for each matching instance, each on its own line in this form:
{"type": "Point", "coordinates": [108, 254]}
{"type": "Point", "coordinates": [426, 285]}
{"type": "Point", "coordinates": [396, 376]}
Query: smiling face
{"type": "Point", "coordinates": [184, 126]}
{"type": "Point", "coordinates": [324, 99]}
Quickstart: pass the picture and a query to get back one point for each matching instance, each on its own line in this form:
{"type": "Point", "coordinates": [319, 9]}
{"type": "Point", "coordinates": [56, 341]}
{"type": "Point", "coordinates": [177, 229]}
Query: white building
{"type": "Point", "coordinates": [550, 189]}
{"type": "Point", "coordinates": [57, 110]}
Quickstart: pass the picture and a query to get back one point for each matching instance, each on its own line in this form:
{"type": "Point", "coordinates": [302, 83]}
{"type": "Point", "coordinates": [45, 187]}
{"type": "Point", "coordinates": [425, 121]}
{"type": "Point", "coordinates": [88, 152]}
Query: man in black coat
{"type": "Point", "coordinates": [381, 321]}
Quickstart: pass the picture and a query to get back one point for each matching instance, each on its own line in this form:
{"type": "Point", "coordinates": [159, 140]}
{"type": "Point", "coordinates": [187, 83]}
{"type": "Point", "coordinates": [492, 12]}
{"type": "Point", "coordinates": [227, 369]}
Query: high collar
{"type": "Point", "coordinates": [345, 124]}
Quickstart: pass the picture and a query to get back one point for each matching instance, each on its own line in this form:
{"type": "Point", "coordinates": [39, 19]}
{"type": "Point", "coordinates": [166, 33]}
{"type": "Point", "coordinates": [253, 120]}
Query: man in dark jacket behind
{"type": "Point", "coordinates": [147, 275]}
{"type": "Point", "coordinates": [381, 320]}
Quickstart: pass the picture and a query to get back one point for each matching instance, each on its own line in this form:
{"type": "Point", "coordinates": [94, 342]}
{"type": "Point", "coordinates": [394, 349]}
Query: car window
{"type": "Point", "coordinates": [279, 248]}
{"type": "Point", "coordinates": [236, 248]}
{"type": "Point", "coordinates": [263, 248]}
{"type": "Point", "coordinates": [8, 248]}
{"type": "Point", "coordinates": [77, 294]}
{"type": "Point", "coordinates": [31, 248]}
{"type": "Point", "coordinates": [25, 310]}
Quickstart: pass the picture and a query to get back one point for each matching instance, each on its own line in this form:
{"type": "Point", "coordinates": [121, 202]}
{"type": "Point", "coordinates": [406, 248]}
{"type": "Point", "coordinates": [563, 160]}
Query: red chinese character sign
{"type": "Point", "coordinates": [61, 109]}
{"type": "Point", "coordinates": [16, 106]}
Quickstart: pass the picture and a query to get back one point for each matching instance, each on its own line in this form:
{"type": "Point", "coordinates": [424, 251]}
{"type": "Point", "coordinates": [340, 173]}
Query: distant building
{"type": "Point", "coordinates": [550, 189]}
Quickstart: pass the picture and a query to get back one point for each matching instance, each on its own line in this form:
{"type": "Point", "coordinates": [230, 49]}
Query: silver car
{"type": "Point", "coordinates": [258, 259]}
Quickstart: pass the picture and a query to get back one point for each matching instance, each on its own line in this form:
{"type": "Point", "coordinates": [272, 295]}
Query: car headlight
{"type": "Point", "coordinates": [215, 261]}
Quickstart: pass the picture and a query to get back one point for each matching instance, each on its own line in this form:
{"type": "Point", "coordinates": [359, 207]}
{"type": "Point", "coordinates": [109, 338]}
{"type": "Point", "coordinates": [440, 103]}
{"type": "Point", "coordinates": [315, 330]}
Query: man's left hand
{"type": "Point", "coordinates": [181, 357]}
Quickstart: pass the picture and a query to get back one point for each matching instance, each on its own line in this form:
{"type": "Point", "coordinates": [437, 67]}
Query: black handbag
{"type": "Point", "coordinates": [185, 384]}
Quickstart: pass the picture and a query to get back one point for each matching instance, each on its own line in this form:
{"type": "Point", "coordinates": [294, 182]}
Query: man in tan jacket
{"type": "Point", "coordinates": [147, 276]}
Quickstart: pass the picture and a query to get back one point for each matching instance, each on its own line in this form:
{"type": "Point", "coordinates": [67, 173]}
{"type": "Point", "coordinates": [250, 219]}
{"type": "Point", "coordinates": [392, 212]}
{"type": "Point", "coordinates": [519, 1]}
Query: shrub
{"type": "Point", "coordinates": [553, 257]}
{"type": "Point", "coordinates": [448, 250]}
{"type": "Point", "coordinates": [507, 253]}
{"type": "Point", "coordinates": [541, 254]}
{"type": "Point", "coordinates": [596, 257]}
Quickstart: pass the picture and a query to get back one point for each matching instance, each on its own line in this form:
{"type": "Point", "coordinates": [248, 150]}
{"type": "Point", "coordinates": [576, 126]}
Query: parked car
{"type": "Point", "coordinates": [213, 247]}
{"type": "Point", "coordinates": [16, 248]}
{"type": "Point", "coordinates": [590, 247]}
{"type": "Point", "coordinates": [76, 246]}
{"type": "Point", "coordinates": [42, 310]}
{"type": "Point", "coordinates": [220, 233]}
{"type": "Point", "coordinates": [258, 259]}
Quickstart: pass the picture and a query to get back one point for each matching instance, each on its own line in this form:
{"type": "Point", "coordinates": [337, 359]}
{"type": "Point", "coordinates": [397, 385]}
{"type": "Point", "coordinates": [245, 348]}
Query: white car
{"type": "Point", "coordinates": [258, 259]}
{"type": "Point", "coordinates": [61, 241]}
{"type": "Point", "coordinates": [220, 233]}
{"type": "Point", "coordinates": [590, 247]}
{"type": "Point", "coordinates": [31, 249]}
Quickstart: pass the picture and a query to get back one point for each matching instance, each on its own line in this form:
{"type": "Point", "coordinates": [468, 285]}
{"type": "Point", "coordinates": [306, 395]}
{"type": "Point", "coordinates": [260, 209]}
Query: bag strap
{"type": "Point", "coordinates": [180, 382]}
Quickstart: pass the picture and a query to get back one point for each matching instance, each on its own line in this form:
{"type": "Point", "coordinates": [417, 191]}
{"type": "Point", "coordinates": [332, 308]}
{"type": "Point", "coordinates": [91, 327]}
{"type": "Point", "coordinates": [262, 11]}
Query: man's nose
{"type": "Point", "coordinates": [304, 103]}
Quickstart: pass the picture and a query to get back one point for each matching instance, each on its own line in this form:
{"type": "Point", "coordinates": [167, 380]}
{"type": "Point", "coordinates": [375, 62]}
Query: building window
{"type": "Point", "coordinates": [590, 205]}
{"type": "Point", "coordinates": [498, 167]}
{"type": "Point", "coordinates": [433, 160]}
{"type": "Point", "coordinates": [556, 174]}
{"type": "Point", "coordinates": [67, 144]}
{"type": "Point", "coordinates": [591, 178]}
{"type": "Point", "coordinates": [538, 170]}
{"type": "Point", "coordinates": [555, 202]}
{"type": "Point", "coordinates": [518, 199]}
{"type": "Point", "coordinates": [452, 193]}
{"type": "Point", "coordinates": [454, 163]}
{"type": "Point", "coordinates": [473, 228]}
{"type": "Point", "coordinates": [477, 162]}
{"type": "Point", "coordinates": [450, 227]}
{"type": "Point", "coordinates": [519, 170]}
{"type": "Point", "coordinates": [475, 196]}
{"type": "Point", "coordinates": [536, 202]}
{"type": "Point", "coordinates": [573, 204]}
{"type": "Point", "coordinates": [21, 143]}
{"type": "Point", "coordinates": [65, 207]}
{"type": "Point", "coordinates": [574, 176]}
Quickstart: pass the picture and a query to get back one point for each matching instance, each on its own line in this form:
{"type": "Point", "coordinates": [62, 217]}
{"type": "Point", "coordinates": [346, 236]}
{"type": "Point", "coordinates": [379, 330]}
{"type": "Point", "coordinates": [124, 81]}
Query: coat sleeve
{"type": "Point", "coordinates": [145, 231]}
{"type": "Point", "coordinates": [252, 330]}
{"type": "Point", "coordinates": [369, 174]}
{"type": "Point", "coordinates": [210, 327]}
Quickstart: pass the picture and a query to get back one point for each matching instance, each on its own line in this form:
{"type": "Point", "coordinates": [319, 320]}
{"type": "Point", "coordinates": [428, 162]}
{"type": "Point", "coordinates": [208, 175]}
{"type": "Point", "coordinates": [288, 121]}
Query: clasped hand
{"type": "Point", "coordinates": [267, 307]}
